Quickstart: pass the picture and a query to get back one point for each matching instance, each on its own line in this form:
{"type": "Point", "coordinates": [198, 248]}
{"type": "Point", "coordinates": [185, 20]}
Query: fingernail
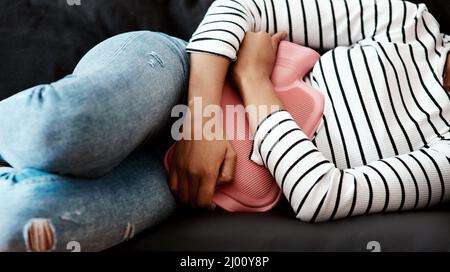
{"type": "Point", "coordinates": [213, 207]}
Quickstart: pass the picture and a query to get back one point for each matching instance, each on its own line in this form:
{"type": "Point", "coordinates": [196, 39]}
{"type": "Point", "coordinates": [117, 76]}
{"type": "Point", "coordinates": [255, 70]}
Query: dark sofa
{"type": "Point", "coordinates": [42, 40]}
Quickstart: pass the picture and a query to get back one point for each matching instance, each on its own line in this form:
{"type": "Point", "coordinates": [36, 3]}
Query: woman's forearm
{"type": "Point", "coordinates": [207, 77]}
{"type": "Point", "coordinates": [197, 166]}
{"type": "Point", "coordinates": [259, 94]}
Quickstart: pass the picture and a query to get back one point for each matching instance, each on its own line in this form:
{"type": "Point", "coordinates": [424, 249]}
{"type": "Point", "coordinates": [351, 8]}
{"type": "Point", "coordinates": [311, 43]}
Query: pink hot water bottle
{"type": "Point", "coordinates": [254, 189]}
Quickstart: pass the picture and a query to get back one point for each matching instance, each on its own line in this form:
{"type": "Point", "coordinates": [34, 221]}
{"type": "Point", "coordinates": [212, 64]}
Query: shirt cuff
{"type": "Point", "coordinates": [211, 47]}
{"type": "Point", "coordinates": [271, 130]}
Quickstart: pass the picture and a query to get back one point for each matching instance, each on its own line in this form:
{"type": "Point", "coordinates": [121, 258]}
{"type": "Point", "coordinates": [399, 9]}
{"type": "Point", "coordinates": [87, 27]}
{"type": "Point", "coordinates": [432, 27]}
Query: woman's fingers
{"type": "Point", "coordinates": [173, 180]}
{"type": "Point", "coordinates": [229, 165]}
{"type": "Point", "coordinates": [183, 188]}
{"type": "Point", "coordinates": [276, 39]}
{"type": "Point", "coordinates": [194, 183]}
{"type": "Point", "coordinates": [206, 192]}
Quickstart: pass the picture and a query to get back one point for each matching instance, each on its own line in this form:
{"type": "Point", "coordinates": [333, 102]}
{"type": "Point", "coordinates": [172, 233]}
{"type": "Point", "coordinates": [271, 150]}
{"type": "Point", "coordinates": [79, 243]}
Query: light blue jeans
{"type": "Point", "coordinates": [86, 150]}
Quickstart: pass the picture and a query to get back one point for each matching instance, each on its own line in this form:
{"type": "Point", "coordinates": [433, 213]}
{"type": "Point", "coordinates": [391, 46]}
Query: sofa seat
{"type": "Point", "coordinates": [279, 231]}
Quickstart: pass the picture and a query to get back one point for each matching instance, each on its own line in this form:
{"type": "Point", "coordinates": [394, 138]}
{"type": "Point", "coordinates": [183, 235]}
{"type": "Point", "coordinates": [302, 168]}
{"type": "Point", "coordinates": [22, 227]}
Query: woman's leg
{"type": "Point", "coordinates": [85, 124]}
{"type": "Point", "coordinates": [41, 212]}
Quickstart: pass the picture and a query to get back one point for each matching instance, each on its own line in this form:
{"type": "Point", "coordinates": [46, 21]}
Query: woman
{"type": "Point", "coordinates": [97, 123]}
{"type": "Point", "coordinates": [385, 143]}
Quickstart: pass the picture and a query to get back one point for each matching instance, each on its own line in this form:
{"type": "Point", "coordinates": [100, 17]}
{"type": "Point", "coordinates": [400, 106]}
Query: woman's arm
{"type": "Point", "coordinates": [316, 189]}
{"type": "Point", "coordinates": [198, 164]}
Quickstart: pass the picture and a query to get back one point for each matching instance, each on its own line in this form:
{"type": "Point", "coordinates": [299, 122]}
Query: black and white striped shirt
{"type": "Point", "coordinates": [385, 140]}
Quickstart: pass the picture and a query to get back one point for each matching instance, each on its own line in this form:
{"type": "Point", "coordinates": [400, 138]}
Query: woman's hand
{"type": "Point", "coordinates": [252, 72]}
{"type": "Point", "coordinates": [256, 57]}
{"type": "Point", "coordinates": [196, 168]}
{"type": "Point", "coordinates": [447, 74]}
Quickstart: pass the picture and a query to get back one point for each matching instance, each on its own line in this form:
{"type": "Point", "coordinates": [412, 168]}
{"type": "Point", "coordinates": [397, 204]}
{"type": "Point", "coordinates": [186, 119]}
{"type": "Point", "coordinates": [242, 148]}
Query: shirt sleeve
{"type": "Point", "coordinates": [319, 24]}
{"type": "Point", "coordinates": [318, 191]}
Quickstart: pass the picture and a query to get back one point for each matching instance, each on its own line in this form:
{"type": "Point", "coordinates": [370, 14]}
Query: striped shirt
{"type": "Point", "coordinates": [385, 140]}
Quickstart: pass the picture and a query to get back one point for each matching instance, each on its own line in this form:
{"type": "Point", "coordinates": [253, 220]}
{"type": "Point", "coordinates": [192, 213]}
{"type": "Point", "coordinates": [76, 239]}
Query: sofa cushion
{"type": "Point", "coordinates": [42, 40]}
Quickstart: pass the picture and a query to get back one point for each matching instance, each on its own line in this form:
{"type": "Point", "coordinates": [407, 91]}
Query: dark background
{"type": "Point", "coordinates": [42, 40]}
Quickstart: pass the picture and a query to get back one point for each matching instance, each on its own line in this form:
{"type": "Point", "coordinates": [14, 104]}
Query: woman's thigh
{"type": "Point", "coordinates": [40, 211]}
{"type": "Point", "coordinates": [120, 95]}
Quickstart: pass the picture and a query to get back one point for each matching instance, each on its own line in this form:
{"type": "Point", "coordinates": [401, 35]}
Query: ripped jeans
{"type": "Point", "coordinates": [86, 151]}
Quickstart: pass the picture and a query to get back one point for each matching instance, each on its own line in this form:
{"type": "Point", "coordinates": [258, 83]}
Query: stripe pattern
{"type": "Point", "coordinates": [384, 140]}
{"type": "Point", "coordinates": [319, 191]}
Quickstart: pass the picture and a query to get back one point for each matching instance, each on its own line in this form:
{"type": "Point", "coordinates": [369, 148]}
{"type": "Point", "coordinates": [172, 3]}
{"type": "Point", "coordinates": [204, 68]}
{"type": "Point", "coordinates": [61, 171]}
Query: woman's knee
{"type": "Point", "coordinates": [166, 54]}
{"type": "Point", "coordinates": [153, 47]}
{"type": "Point", "coordinates": [159, 40]}
{"type": "Point", "coordinates": [69, 126]}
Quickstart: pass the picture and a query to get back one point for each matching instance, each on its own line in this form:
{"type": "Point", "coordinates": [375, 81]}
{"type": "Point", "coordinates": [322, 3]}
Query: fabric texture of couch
{"type": "Point", "coordinates": [42, 40]}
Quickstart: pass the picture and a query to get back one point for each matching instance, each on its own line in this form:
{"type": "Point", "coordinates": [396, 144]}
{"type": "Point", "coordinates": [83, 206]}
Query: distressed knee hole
{"type": "Point", "coordinates": [40, 235]}
{"type": "Point", "coordinates": [129, 232]}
